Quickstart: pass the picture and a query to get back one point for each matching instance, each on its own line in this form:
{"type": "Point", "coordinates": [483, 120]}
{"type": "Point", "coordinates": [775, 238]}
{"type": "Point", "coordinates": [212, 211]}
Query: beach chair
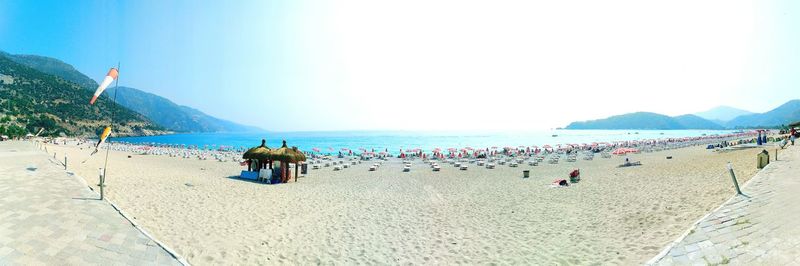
{"type": "Point", "coordinates": [513, 164]}
{"type": "Point", "coordinates": [406, 168]}
{"type": "Point", "coordinates": [337, 168]}
{"type": "Point", "coordinates": [464, 167]}
{"type": "Point", "coordinates": [575, 176]}
{"type": "Point", "coordinates": [533, 163]}
{"type": "Point", "coordinates": [436, 168]}
{"type": "Point", "coordinates": [490, 166]}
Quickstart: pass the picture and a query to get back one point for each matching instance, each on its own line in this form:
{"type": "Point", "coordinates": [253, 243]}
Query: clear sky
{"type": "Point", "coordinates": [425, 65]}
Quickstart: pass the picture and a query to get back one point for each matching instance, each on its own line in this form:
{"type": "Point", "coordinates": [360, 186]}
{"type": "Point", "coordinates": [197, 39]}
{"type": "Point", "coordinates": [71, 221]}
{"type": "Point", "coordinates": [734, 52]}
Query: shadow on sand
{"type": "Point", "coordinates": [237, 178]}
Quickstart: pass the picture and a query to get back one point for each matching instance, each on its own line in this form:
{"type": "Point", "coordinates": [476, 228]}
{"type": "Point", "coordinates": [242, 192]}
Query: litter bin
{"type": "Point", "coordinates": [763, 159]}
{"type": "Point", "coordinates": [304, 168]}
{"type": "Point", "coordinates": [526, 173]}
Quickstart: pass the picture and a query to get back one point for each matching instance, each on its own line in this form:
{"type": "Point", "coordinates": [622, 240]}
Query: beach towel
{"type": "Point", "coordinates": [561, 183]}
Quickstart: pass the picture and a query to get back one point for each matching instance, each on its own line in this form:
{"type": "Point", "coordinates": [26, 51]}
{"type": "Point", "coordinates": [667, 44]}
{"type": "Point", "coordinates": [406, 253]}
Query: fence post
{"type": "Point", "coordinates": [65, 162]}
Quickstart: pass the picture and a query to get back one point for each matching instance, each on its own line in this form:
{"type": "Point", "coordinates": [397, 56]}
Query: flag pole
{"type": "Point", "coordinates": [108, 143]}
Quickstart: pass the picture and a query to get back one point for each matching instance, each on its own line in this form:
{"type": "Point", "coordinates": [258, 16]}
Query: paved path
{"type": "Point", "coordinates": [50, 217]}
{"type": "Point", "coordinates": [762, 228]}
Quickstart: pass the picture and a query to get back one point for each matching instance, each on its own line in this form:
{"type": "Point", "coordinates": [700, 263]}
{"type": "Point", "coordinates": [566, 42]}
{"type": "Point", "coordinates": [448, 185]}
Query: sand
{"type": "Point", "coordinates": [614, 216]}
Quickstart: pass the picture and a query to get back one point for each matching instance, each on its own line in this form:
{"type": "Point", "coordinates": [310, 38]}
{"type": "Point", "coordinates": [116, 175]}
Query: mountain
{"type": "Point", "coordinates": [158, 109]}
{"type": "Point", "coordinates": [697, 122]}
{"type": "Point", "coordinates": [722, 114]}
{"type": "Point", "coordinates": [784, 114]}
{"type": "Point", "coordinates": [173, 116]}
{"type": "Point", "coordinates": [30, 100]}
{"type": "Point", "coordinates": [646, 120]}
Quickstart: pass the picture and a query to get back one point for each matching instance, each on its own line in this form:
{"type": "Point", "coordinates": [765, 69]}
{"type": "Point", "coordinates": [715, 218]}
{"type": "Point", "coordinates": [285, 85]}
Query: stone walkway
{"type": "Point", "coordinates": [50, 217]}
{"type": "Point", "coordinates": [761, 228]}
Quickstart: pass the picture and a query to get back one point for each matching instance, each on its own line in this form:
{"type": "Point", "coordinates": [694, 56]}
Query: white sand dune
{"type": "Point", "coordinates": [614, 216]}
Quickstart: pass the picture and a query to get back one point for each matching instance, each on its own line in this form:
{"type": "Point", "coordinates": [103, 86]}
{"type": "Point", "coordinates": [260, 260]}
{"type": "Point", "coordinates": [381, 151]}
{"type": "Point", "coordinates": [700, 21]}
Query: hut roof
{"type": "Point", "coordinates": [795, 124]}
{"type": "Point", "coordinates": [285, 154]}
{"type": "Point", "coordinates": [259, 152]}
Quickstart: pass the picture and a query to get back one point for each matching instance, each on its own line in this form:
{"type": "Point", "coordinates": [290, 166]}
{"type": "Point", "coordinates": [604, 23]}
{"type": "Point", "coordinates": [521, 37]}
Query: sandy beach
{"type": "Point", "coordinates": [479, 216]}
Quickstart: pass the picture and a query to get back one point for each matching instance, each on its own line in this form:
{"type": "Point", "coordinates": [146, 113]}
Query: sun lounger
{"type": "Point", "coordinates": [533, 163]}
{"type": "Point", "coordinates": [373, 168]}
{"type": "Point", "coordinates": [464, 167]}
{"type": "Point", "coordinates": [490, 166]}
{"type": "Point", "coordinates": [337, 168]}
{"type": "Point", "coordinates": [406, 168]}
{"type": "Point", "coordinates": [513, 164]}
{"type": "Point", "coordinates": [436, 168]}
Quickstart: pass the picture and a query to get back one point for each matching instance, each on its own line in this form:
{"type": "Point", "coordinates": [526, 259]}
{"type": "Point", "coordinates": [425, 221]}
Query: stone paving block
{"type": "Point", "coordinates": [761, 229]}
{"type": "Point", "coordinates": [46, 219]}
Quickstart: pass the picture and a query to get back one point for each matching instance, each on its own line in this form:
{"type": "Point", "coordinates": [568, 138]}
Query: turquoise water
{"type": "Point", "coordinates": [393, 141]}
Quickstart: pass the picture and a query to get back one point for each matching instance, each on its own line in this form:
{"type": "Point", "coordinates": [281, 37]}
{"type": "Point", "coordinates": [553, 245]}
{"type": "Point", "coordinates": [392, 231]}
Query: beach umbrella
{"type": "Point", "coordinates": [261, 153]}
{"type": "Point", "coordinates": [315, 149]}
{"type": "Point", "coordinates": [110, 77]}
{"type": "Point", "coordinates": [287, 155]}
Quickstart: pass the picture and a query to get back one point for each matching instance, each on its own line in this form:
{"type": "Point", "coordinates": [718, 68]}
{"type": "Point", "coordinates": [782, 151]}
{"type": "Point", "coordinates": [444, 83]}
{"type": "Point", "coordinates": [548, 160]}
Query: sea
{"type": "Point", "coordinates": [395, 141]}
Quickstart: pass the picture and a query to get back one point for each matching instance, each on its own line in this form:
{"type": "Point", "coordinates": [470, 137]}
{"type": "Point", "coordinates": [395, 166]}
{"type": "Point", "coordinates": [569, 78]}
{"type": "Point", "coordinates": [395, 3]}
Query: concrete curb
{"type": "Point", "coordinates": [694, 225]}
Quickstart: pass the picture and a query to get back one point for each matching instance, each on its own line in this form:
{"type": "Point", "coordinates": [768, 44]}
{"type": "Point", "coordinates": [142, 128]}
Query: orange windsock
{"type": "Point", "coordinates": [110, 77]}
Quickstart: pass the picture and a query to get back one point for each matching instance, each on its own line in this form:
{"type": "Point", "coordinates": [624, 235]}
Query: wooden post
{"type": "Point", "coordinates": [65, 162]}
{"type": "Point", "coordinates": [776, 154]}
{"type": "Point", "coordinates": [102, 179]}
{"type": "Point", "coordinates": [733, 177]}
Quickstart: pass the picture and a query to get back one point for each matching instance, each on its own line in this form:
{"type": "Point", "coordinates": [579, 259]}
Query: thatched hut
{"type": "Point", "coordinates": [262, 154]}
{"type": "Point", "coordinates": [287, 155]}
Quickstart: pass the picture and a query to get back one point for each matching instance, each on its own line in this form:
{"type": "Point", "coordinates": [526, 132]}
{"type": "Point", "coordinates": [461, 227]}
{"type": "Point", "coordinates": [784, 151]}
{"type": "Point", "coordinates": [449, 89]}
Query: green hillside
{"type": "Point", "coordinates": [160, 110]}
{"type": "Point", "coordinates": [30, 99]}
